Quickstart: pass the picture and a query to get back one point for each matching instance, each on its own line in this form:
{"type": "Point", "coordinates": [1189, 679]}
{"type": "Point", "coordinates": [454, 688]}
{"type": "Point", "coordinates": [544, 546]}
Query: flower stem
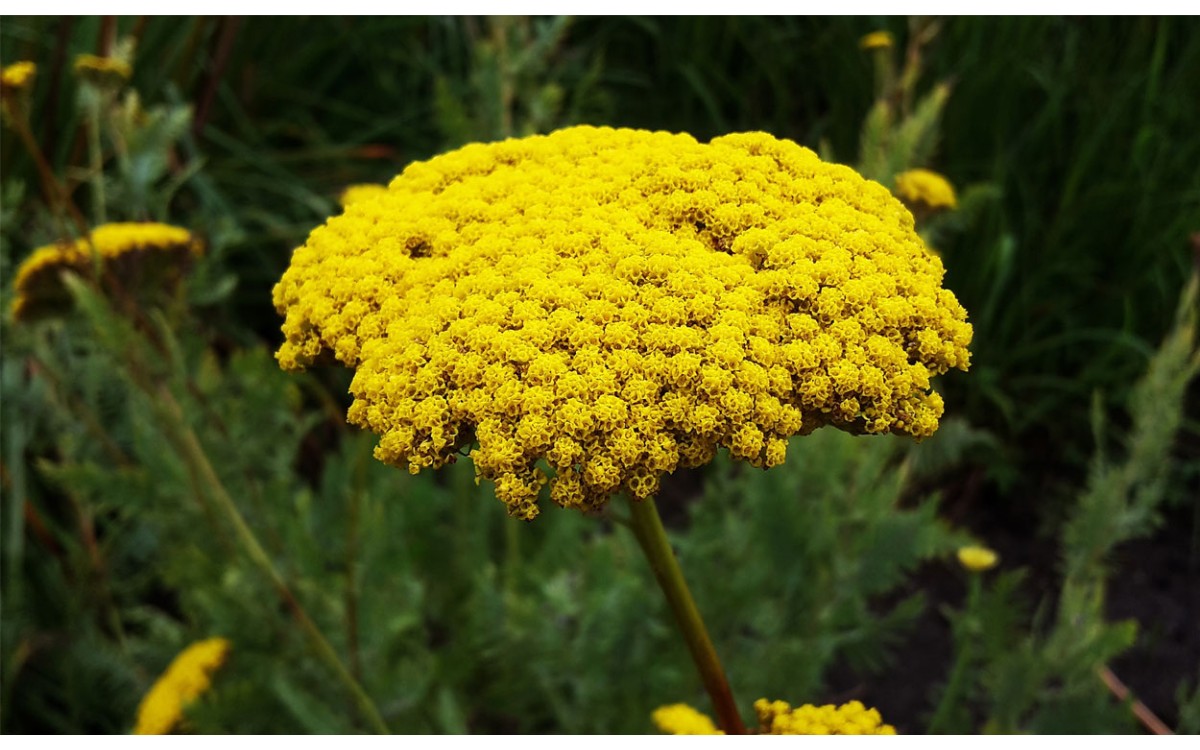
{"type": "Point", "coordinates": [648, 528]}
{"type": "Point", "coordinates": [956, 688]}
{"type": "Point", "coordinates": [96, 155]}
{"type": "Point", "coordinates": [195, 455]}
{"type": "Point", "coordinates": [52, 190]}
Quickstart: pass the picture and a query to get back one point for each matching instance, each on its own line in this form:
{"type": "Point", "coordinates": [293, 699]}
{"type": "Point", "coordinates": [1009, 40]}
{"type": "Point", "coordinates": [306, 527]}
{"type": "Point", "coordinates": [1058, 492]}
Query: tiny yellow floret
{"type": "Point", "coordinates": [977, 559]}
{"type": "Point", "coordinates": [926, 187]}
{"type": "Point", "coordinates": [615, 304]}
{"type": "Point", "coordinates": [96, 67]}
{"type": "Point", "coordinates": [876, 40]}
{"type": "Point", "coordinates": [116, 247]}
{"type": "Point", "coordinates": [18, 76]}
{"type": "Point", "coordinates": [187, 678]}
{"type": "Point", "coordinates": [681, 718]}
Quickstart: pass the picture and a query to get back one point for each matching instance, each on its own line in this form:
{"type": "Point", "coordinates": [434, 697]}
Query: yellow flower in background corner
{"type": "Point", "coordinates": [621, 303]}
{"type": "Point", "coordinates": [876, 40]}
{"type": "Point", "coordinates": [16, 85]}
{"type": "Point", "coordinates": [17, 76]}
{"type": "Point", "coordinates": [187, 678]}
{"type": "Point", "coordinates": [778, 717]}
{"type": "Point", "coordinates": [977, 559]}
{"type": "Point", "coordinates": [681, 718]}
{"type": "Point", "coordinates": [927, 188]}
{"type": "Point", "coordinates": [359, 193]}
{"type": "Point", "coordinates": [130, 252]}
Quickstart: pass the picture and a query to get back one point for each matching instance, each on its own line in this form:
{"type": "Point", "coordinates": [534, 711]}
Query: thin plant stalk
{"type": "Point", "coordinates": [648, 528]}
{"type": "Point", "coordinates": [95, 149]}
{"type": "Point", "coordinates": [194, 454]}
{"type": "Point", "coordinates": [354, 510]}
{"type": "Point", "coordinates": [958, 683]}
{"type": "Point", "coordinates": [55, 194]}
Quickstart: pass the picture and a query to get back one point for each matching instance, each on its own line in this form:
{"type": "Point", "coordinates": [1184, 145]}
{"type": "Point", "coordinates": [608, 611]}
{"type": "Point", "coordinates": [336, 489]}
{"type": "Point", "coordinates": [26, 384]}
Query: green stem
{"type": "Point", "coordinates": [53, 191]}
{"type": "Point", "coordinates": [351, 600]}
{"type": "Point", "coordinates": [194, 454]}
{"type": "Point", "coordinates": [956, 685]}
{"type": "Point", "coordinates": [648, 528]}
{"type": "Point", "coordinates": [512, 557]}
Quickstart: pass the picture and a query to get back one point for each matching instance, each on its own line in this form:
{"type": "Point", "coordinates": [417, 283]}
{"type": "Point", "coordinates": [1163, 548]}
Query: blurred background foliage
{"type": "Point", "coordinates": [1073, 143]}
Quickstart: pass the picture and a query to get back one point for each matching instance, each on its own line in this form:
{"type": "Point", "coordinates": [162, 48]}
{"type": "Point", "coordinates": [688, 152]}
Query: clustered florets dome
{"type": "Point", "coordinates": [604, 306]}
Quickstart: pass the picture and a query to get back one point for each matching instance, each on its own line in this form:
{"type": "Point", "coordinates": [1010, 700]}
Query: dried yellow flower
{"type": "Point", "coordinates": [977, 559]}
{"type": "Point", "coordinates": [130, 254]}
{"type": "Point", "coordinates": [187, 678]}
{"type": "Point", "coordinates": [926, 187]}
{"type": "Point", "coordinates": [614, 304]}
{"type": "Point", "coordinates": [105, 71]}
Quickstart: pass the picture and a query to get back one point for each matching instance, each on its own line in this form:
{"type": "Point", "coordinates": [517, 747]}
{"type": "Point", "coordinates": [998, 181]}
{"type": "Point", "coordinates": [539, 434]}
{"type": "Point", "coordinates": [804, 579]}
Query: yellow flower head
{"type": "Point", "coordinates": [926, 187]}
{"type": "Point", "coordinates": [619, 303]}
{"type": "Point", "coordinates": [18, 76]}
{"type": "Point", "coordinates": [102, 70]}
{"type": "Point", "coordinates": [876, 40]}
{"type": "Point", "coordinates": [358, 193]}
{"type": "Point", "coordinates": [16, 85]}
{"type": "Point", "coordinates": [977, 559]}
{"type": "Point", "coordinates": [133, 254]}
{"type": "Point", "coordinates": [187, 678]}
{"type": "Point", "coordinates": [681, 718]}
{"type": "Point", "coordinates": [778, 717]}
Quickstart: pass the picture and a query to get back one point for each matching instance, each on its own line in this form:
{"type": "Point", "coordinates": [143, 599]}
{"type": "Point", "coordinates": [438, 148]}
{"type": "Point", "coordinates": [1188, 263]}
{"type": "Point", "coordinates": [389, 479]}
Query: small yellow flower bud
{"type": "Point", "coordinates": [18, 76]}
{"type": "Point", "coordinates": [977, 559]}
{"type": "Point", "coordinates": [926, 187]}
{"type": "Point", "coordinates": [876, 40]}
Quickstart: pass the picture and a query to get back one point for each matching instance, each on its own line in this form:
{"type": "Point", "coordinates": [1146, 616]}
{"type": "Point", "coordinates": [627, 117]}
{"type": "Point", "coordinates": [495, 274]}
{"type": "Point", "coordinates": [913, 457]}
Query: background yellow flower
{"type": "Point", "coordinates": [187, 678]}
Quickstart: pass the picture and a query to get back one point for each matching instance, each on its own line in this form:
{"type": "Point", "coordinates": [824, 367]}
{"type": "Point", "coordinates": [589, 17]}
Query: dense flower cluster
{"type": "Point", "coordinates": [927, 188]}
{"type": "Point", "coordinates": [977, 559]}
{"type": "Point", "coordinates": [17, 76]}
{"type": "Point", "coordinates": [614, 304]}
{"type": "Point", "coordinates": [778, 717]}
{"type": "Point", "coordinates": [187, 678]}
{"type": "Point", "coordinates": [128, 254]}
